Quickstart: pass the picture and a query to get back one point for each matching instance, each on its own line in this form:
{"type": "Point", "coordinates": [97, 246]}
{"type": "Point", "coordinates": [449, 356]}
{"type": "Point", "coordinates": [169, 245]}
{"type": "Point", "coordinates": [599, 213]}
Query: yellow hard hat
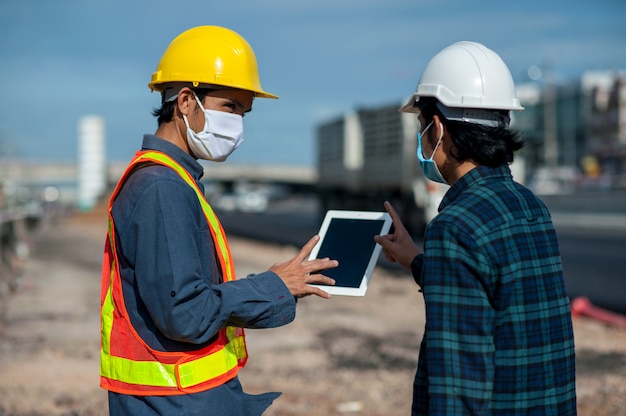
{"type": "Point", "coordinates": [209, 55]}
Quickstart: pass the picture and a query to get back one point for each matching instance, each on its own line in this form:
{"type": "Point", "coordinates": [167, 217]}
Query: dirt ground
{"type": "Point", "coordinates": [341, 356]}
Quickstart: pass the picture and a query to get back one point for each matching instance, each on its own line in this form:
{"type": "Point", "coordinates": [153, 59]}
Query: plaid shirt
{"type": "Point", "coordinates": [498, 337]}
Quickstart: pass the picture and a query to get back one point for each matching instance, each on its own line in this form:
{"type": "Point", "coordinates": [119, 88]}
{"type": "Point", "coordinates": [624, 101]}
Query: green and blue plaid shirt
{"type": "Point", "coordinates": [498, 337]}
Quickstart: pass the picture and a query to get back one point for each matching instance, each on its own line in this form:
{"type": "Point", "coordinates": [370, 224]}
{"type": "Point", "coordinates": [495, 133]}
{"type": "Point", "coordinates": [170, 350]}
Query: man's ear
{"type": "Point", "coordinates": [438, 125]}
{"type": "Point", "coordinates": [186, 101]}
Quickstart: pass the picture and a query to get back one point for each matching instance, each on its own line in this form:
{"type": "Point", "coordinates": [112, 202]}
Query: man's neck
{"type": "Point", "coordinates": [460, 170]}
{"type": "Point", "coordinates": [171, 133]}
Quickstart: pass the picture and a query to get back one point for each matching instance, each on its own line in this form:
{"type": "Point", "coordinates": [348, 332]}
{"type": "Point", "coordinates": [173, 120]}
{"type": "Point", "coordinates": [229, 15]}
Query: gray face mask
{"type": "Point", "coordinates": [221, 135]}
{"type": "Point", "coordinates": [431, 171]}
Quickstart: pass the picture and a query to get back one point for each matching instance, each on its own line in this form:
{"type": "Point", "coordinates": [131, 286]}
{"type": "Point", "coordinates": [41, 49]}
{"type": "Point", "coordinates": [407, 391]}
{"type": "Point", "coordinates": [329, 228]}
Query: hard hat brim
{"type": "Point", "coordinates": [161, 87]}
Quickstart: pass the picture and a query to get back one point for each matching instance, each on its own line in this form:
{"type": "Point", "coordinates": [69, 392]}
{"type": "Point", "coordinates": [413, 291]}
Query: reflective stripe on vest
{"type": "Point", "coordinates": [130, 366]}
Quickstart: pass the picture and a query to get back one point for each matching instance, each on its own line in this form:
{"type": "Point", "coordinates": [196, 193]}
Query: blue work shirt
{"type": "Point", "coordinates": [498, 337]}
{"type": "Point", "coordinates": [173, 289]}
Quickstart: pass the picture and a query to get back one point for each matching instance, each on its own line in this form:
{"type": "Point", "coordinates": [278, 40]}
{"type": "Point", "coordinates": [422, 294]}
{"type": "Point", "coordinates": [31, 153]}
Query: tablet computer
{"type": "Point", "coordinates": [348, 237]}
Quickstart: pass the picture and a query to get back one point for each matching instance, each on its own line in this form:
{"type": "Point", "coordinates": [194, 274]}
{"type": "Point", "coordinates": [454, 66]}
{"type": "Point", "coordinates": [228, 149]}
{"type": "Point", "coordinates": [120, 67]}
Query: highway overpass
{"type": "Point", "coordinates": [39, 175]}
{"type": "Point", "coordinates": [32, 173]}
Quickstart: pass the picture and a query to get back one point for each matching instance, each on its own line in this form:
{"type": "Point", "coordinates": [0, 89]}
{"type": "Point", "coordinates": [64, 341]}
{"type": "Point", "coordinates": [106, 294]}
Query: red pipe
{"type": "Point", "coordinates": [582, 306]}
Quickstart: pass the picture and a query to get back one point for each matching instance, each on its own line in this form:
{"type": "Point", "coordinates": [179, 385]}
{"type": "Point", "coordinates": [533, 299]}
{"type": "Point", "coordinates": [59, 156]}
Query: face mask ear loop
{"type": "Point", "coordinates": [199, 105]}
{"type": "Point", "coordinates": [427, 127]}
{"type": "Point", "coordinates": [199, 102]}
{"type": "Point", "coordinates": [438, 140]}
{"type": "Point", "coordinates": [420, 137]}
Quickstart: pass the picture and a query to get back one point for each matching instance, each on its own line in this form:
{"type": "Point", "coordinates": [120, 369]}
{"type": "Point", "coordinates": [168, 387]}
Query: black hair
{"type": "Point", "coordinates": [165, 113]}
{"type": "Point", "coordinates": [484, 145]}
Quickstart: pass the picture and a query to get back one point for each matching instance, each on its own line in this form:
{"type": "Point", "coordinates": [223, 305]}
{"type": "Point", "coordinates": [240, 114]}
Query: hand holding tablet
{"type": "Point", "coordinates": [300, 274]}
{"type": "Point", "coordinates": [348, 237]}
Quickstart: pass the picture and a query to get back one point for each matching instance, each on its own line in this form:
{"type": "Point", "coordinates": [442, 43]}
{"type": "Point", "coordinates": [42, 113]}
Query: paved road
{"type": "Point", "coordinates": [592, 209]}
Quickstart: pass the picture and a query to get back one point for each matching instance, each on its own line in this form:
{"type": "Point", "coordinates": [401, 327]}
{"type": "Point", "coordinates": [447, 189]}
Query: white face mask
{"type": "Point", "coordinates": [221, 135]}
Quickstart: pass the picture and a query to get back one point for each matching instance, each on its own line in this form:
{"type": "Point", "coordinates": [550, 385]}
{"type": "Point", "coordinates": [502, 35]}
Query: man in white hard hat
{"type": "Point", "coordinates": [172, 310]}
{"type": "Point", "coordinates": [498, 337]}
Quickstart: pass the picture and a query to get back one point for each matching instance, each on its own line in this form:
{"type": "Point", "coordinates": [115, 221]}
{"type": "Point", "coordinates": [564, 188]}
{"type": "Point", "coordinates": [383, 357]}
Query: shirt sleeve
{"type": "Point", "coordinates": [416, 269]}
{"type": "Point", "coordinates": [182, 298]}
{"type": "Point", "coordinates": [460, 321]}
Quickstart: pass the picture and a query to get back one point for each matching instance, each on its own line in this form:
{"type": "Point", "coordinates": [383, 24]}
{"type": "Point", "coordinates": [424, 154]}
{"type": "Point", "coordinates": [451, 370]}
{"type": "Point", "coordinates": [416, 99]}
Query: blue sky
{"type": "Point", "coordinates": [63, 59]}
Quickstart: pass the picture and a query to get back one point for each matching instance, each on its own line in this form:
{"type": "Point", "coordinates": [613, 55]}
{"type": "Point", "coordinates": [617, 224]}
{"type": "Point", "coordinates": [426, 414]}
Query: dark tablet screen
{"type": "Point", "coordinates": [351, 243]}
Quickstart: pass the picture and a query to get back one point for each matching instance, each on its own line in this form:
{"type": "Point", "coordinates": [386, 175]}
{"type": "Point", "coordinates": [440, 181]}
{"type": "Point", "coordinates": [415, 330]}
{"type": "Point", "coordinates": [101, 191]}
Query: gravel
{"type": "Point", "coordinates": [344, 355]}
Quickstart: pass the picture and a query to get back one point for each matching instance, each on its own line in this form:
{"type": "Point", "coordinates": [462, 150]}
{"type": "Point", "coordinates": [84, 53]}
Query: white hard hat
{"type": "Point", "coordinates": [470, 81]}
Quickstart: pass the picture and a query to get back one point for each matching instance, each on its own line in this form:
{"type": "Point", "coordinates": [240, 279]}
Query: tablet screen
{"type": "Point", "coordinates": [351, 242]}
{"type": "Point", "coordinates": [348, 237]}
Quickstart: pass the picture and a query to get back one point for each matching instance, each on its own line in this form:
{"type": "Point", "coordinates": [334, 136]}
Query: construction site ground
{"type": "Point", "coordinates": [346, 355]}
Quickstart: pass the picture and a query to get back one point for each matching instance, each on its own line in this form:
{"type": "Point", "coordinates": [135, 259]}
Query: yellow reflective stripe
{"type": "Point", "coordinates": [223, 246]}
{"type": "Point", "coordinates": [147, 373]}
{"type": "Point", "coordinates": [220, 237]}
{"type": "Point", "coordinates": [110, 234]}
{"type": "Point", "coordinates": [236, 342]}
{"type": "Point", "coordinates": [208, 367]}
{"type": "Point", "coordinates": [152, 373]}
{"type": "Point", "coordinates": [106, 315]}
{"type": "Point", "coordinates": [107, 319]}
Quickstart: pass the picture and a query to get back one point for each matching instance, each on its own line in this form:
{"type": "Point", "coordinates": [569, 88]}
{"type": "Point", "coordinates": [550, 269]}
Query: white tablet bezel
{"type": "Point", "coordinates": [357, 215]}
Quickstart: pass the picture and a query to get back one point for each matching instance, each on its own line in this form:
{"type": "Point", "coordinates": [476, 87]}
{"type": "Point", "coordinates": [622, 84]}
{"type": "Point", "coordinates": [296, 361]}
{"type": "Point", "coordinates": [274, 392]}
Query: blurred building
{"type": "Point", "coordinates": [92, 175]}
{"type": "Point", "coordinates": [575, 131]}
{"type": "Point", "coordinates": [606, 127]}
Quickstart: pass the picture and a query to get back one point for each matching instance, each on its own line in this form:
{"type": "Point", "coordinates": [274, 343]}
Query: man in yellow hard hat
{"type": "Point", "coordinates": [172, 310]}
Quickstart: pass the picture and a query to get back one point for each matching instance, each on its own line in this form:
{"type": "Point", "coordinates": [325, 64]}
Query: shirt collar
{"type": "Point", "coordinates": [475, 176]}
{"type": "Point", "coordinates": [191, 165]}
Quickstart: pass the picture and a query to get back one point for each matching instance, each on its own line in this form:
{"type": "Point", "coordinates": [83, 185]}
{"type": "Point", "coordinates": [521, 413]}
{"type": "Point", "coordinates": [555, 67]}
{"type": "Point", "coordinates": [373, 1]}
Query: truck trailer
{"type": "Point", "coordinates": [368, 156]}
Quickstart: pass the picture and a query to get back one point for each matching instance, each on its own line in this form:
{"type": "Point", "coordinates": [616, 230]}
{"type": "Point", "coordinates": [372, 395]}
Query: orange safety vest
{"type": "Point", "coordinates": [127, 364]}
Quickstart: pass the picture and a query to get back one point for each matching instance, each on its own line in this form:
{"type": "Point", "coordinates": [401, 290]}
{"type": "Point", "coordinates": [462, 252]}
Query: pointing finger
{"type": "Point", "coordinates": [395, 218]}
{"type": "Point", "coordinates": [307, 248]}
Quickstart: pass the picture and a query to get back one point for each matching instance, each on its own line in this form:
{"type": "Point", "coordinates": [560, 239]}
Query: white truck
{"type": "Point", "coordinates": [368, 156]}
